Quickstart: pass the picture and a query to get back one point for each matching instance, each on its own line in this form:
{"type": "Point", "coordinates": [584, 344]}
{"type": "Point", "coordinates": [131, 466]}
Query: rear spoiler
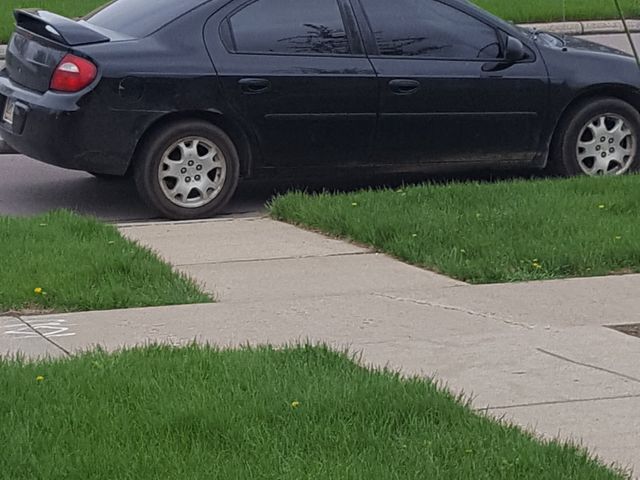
{"type": "Point", "coordinates": [57, 28]}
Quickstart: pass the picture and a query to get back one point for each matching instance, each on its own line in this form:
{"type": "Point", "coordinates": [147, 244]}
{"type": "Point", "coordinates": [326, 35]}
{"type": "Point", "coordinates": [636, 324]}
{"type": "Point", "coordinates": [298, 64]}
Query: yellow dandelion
{"type": "Point", "coordinates": [536, 265]}
{"type": "Point", "coordinates": [38, 291]}
{"type": "Point", "coordinates": [39, 378]}
{"type": "Point", "coordinates": [295, 404]}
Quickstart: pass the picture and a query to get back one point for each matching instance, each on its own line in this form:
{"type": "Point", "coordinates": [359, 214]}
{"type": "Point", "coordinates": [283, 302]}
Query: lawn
{"type": "Point", "coordinates": [524, 11]}
{"type": "Point", "coordinates": [515, 10]}
{"type": "Point", "coordinates": [69, 8]}
{"type": "Point", "coordinates": [64, 262]}
{"type": "Point", "coordinates": [488, 232]}
{"type": "Point", "coordinates": [296, 413]}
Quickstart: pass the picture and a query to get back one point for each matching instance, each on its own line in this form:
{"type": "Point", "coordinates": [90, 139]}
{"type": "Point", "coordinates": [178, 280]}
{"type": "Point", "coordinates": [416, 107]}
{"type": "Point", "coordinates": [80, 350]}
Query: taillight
{"type": "Point", "coordinates": [73, 74]}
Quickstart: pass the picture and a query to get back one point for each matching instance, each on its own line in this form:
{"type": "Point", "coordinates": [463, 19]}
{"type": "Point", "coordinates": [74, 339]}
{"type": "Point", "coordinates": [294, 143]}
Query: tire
{"type": "Point", "coordinates": [186, 170]}
{"type": "Point", "coordinates": [594, 120]}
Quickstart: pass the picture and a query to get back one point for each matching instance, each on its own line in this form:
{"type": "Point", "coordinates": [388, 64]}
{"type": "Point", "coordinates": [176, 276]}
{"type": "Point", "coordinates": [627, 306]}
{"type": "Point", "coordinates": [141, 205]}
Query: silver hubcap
{"type": "Point", "coordinates": [192, 172]}
{"type": "Point", "coordinates": [606, 146]}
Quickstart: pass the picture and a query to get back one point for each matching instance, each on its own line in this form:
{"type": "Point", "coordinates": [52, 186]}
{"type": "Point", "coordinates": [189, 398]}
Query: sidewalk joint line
{"type": "Point", "coordinates": [588, 365]}
{"type": "Point", "coordinates": [59, 347]}
{"type": "Point", "coordinates": [454, 308]}
{"type": "Point", "coordinates": [159, 222]}
{"type": "Point", "coordinates": [559, 402]}
{"type": "Point", "coordinates": [251, 260]}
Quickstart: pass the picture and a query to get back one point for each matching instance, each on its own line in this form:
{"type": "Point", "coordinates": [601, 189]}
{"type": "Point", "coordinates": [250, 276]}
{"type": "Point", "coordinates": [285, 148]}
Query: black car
{"type": "Point", "coordinates": [190, 96]}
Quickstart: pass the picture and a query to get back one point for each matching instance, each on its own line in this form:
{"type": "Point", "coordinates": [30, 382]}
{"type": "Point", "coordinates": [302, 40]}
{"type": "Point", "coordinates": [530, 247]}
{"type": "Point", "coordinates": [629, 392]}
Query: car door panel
{"type": "Point", "coordinates": [440, 98]}
{"type": "Point", "coordinates": [316, 111]}
{"type": "Point", "coordinates": [459, 113]}
{"type": "Point", "coordinates": [307, 106]}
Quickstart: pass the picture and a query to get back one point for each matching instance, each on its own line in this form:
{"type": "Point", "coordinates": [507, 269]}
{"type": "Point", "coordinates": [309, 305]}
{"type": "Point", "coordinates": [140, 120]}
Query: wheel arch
{"type": "Point", "coordinates": [235, 132]}
{"type": "Point", "coordinates": [626, 93]}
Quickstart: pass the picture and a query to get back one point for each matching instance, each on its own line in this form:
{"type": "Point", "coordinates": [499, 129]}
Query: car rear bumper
{"type": "Point", "coordinates": [54, 129]}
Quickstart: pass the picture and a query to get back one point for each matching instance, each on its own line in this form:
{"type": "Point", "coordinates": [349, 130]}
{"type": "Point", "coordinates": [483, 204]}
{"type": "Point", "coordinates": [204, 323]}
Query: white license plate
{"type": "Point", "coordinates": [9, 109]}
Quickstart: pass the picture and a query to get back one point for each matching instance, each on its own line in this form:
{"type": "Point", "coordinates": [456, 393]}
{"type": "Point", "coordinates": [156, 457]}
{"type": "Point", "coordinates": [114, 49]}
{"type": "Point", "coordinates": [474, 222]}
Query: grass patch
{"type": "Point", "coordinates": [68, 8]}
{"type": "Point", "coordinates": [514, 10]}
{"type": "Point", "coordinates": [488, 232]}
{"type": "Point", "coordinates": [82, 264]}
{"type": "Point", "coordinates": [524, 11]}
{"type": "Point", "coordinates": [303, 412]}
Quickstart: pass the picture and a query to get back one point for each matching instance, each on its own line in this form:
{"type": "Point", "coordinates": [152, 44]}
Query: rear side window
{"type": "Point", "coordinates": [428, 28]}
{"type": "Point", "coordinates": [289, 27]}
{"type": "Point", "coordinates": [139, 18]}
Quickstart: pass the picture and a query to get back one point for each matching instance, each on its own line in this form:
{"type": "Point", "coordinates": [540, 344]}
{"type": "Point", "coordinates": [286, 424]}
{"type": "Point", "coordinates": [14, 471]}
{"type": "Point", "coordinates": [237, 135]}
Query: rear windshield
{"type": "Point", "coordinates": [139, 18]}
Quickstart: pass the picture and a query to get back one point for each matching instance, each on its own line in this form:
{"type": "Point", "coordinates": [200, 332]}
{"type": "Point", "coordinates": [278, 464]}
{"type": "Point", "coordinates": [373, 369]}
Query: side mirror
{"type": "Point", "coordinates": [515, 50]}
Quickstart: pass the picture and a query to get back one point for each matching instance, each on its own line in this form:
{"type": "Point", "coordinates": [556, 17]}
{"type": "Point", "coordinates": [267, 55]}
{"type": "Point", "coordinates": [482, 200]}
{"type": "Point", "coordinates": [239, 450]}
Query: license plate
{"type": "Point", "coordinates": [9, 109]}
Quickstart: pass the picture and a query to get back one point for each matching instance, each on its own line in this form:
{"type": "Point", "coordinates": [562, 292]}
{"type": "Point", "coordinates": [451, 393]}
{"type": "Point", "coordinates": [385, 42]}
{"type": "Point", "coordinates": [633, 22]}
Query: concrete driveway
{"type": "Point", "coordinates": [28, 187]}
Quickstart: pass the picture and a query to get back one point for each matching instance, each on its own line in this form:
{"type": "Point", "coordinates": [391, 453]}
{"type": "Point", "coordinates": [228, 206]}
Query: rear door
{"type": "Point", "coordinates": [441, 99]}
{"type": "Point", "coordinates": [296, 72]}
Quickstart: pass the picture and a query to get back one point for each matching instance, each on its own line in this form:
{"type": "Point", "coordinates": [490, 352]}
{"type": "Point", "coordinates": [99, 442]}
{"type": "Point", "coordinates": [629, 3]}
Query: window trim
{"type": "Point", "coordinates": [374, 51]}
{"type": "Point", "coordinates": [348, 22]}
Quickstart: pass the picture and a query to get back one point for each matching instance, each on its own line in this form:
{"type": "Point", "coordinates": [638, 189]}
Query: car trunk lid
{"type": "Point", "coordinates": [40, 42]}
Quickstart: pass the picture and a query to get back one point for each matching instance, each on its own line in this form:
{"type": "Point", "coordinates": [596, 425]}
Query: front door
{"type": "Point", "coordinates": [296, 71]}
{"type": "Point", "coordinates": [443, 95]}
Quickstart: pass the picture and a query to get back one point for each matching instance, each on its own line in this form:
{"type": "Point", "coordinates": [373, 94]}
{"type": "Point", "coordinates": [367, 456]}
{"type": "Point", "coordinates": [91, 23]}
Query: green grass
{"type": "Point", "coordinates": [524, 11]}
{"type": "Point", "coordinates": [82, 264]}
{"type": "Point", "coordinates": [515, 10]}
{"type": "Point", "coordinates": [197, 413]}
{"type": "Point", "coordinates": [68, 8]}
{"type": "Point", "coordinates": [488, 232]}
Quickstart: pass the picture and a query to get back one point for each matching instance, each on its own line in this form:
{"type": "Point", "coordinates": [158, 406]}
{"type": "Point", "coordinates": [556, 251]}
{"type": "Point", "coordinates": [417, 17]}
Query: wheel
{"type": "Point", "coordinates": [187, 170]}
{"type": "Point", "coordinates": [105, 176]}
{"type": "Point", "coordinates": [598, 138]}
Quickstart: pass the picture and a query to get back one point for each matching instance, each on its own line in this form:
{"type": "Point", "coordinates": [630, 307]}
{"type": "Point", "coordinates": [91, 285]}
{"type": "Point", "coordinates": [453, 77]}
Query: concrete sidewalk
{"type": "Point", "coordinates": [538, 353]}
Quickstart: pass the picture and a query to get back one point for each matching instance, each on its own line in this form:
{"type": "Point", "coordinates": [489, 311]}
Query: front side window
{"type": "Point", "coordinates": [428, 28]}
{"type": "Point", "coordinates": [289, 27]}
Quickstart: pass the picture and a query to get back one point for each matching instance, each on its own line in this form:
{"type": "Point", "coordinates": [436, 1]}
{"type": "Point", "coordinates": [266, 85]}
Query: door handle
{"type": "Point", "coordinates": [404, 86]}
{"type": "Point", "coordinates": [252, 86]}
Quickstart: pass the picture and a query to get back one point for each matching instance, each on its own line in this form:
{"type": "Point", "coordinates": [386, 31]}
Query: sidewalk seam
{"type": "Point", "coordinates": [170, 223]}
{"type": "Point", "coordinates": [47, 339]}
{"type": "Point", "coordinates": [487, 316]}
{"type": "Point", "coordinates": [559, 402]}
{"type": "Point", "coordinates": [588, 365]}
{"type": "Point", "coordinates": [274, 259]}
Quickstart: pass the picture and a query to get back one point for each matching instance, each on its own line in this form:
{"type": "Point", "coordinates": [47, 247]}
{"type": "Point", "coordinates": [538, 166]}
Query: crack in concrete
{"type": "Point", "coordinates": [589, 365]}
{"type": "Point", "coordinates": [272, 259]}
{"type": "Point", "coordinates": [454, 308]}
{"type": "Point", "coordinates": [39, 333]}
{"type": "Point", "coordinates": [558, 402]}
